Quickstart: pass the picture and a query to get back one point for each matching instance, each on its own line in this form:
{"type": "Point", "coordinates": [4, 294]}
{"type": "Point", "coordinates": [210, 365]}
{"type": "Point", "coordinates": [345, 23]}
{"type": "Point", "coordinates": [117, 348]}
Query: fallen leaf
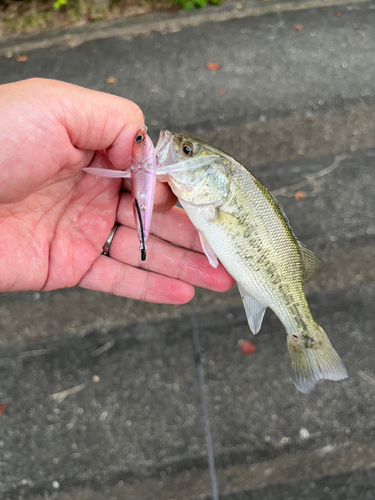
{"type": "Point", "coordinates": [337, 13]}
{"type": "Point", "coordinates": [357, 27]}
{"type": "Point", "coordinates": [246, 347]}
{"type": "Point", "coordinates": [300, 195]}
{"type": "Point", "coordinates": [3, 407]}
{"type": "Point", "coordinates": [213, 66]}
{"type": "Point", "coordinates": [239, 6]}
{"type": "Point", "coordinates": [22, 58]}
{"type": "Point", "coordinates": [298, 27]}
{"type": "Point", "coordinates": [222, 91]}
{"type": "Point", "coordinates": [111, 79]}
{"type": "Point", "coordinates": [8, 55]}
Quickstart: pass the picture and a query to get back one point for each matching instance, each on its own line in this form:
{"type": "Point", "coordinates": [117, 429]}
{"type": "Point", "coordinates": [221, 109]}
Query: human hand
{"type": "Point", "coordinates": [55, 219]}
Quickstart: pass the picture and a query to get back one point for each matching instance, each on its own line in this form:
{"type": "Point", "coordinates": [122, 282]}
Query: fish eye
{"type": "Point", "coordinates": [139, 138]}
{"type": "Point", "coordinates": [188, 149]}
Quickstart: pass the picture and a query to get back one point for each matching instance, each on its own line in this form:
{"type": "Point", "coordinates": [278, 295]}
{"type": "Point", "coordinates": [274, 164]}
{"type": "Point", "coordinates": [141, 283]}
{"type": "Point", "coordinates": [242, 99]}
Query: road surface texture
{"type": "Point", "coordinates": [289, 103]}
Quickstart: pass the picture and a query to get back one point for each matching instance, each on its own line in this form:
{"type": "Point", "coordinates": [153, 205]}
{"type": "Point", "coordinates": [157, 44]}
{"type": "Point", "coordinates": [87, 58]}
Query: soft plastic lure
{"type": "Point", "coordinates": [143, 173]}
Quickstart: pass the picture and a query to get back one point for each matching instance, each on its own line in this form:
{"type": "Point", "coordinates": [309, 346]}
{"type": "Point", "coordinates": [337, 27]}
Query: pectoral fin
{"type": "Point", "coordinates": [310, 262]}
{"type": "Point", "coordinates": [210, 254]}
{"type": "Point", "coordinates": [254, 310]}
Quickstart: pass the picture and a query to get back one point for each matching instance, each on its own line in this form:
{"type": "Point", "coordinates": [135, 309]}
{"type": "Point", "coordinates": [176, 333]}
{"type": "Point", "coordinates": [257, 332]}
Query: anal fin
{"type": "Point", "coordinates": [254, 310]}
{"type": "Point", "coordinates": [210, 254]}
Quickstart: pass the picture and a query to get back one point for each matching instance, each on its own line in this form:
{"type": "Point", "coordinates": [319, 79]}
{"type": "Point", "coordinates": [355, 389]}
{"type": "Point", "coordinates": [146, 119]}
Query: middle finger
{"type": "Point", "coordinates": [169, 260]}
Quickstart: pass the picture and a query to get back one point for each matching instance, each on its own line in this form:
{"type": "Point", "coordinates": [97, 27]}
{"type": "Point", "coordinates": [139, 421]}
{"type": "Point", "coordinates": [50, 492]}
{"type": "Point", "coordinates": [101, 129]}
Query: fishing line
{"type": "Point", "coordinates": [143, 249]}
{"type": "Point", "coordinates": [206, 418]}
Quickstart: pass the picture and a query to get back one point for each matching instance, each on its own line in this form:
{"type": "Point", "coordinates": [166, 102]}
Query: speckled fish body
{"type": "Point", "coordinates": [242, 225]}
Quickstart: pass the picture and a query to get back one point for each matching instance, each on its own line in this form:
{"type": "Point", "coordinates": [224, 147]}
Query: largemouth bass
{"type": "Point", "coordinates": [243, 226]}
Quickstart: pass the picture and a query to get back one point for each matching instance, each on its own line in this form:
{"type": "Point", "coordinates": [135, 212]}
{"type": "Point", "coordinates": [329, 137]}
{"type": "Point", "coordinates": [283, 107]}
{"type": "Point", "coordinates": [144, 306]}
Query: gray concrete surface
{"type": "Point", "coordinates": [293, 102]}
{"type": "Point", "coordinates": [159, 22]}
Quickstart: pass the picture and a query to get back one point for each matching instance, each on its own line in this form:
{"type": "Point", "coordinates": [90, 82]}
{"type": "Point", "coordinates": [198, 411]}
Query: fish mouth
{"type": "Point", "coordinates": [164, 151]}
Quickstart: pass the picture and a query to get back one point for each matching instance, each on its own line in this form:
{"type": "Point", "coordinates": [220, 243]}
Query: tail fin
{"type": "Point", "coordinates": [314, 360]}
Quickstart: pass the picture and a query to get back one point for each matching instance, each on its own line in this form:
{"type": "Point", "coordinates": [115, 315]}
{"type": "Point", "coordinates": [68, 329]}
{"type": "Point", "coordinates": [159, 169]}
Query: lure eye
{"type": "Point", "coordinates": [188, 149]}
{"type": "Point", "coordinates": [139, 138]}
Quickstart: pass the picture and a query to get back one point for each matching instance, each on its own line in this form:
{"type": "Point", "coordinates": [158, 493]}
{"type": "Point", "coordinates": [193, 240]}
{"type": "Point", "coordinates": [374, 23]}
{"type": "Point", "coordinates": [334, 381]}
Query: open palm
{"type": "Point", "coordinates": [55, 219]}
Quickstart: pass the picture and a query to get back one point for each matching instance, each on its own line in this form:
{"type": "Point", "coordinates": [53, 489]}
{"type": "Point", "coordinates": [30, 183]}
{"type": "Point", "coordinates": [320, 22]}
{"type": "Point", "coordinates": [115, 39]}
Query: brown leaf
{"type": "Point", "coordinates": [246, 347]}
{"type": "Point", "coordinates": [111, 79]}
{"type": "Point", "coordinates": [300, 195]}
{"type": "Point", "coordinates": [22, 58]}
{"type": "Point", "coordinates": [357, 27]}
{"type": "Point", "coordinates": [337, 13]}
{"type": "Point", "coordinates": [239, 6]}
{"type": "Point", "coordinates": [3, 408]}
{"type": "Point", "coordinates": [213, 66]}
{"type": "Point", "coordinates": [222, 91]}
{"type": "Point", "coordinates": [298, 27]}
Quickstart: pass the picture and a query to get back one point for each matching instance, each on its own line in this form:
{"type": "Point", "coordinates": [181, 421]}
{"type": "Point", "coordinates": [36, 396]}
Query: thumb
{"type": "Point", "coordinates": [47, 125]}
{"type": "Point", "coordinates": [98, 121]}
{"type": "Point", "coordinates": [93, 120]}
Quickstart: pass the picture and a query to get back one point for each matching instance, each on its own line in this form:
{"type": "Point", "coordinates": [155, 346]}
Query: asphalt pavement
{"type": "Point", "coordinates": [295, 105]}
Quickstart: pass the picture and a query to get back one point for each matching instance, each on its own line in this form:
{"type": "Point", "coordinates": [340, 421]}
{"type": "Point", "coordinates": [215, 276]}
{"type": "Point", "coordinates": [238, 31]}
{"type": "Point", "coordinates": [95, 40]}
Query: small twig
{"type": "Point", "coordinates": [60, 396]}
{"type": "Point", "coordinates": [104, 348]}
{"type": "Point", "coordinates": [27, 354]}
{"type": "Point", "coordinates": [312, 179]}
{"type": "Point", "coordinates": [368, 378]}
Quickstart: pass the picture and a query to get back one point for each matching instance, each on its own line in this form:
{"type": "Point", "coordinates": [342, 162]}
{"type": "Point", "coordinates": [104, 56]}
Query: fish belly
{"type": "Point", "coordinates": [269, 273]}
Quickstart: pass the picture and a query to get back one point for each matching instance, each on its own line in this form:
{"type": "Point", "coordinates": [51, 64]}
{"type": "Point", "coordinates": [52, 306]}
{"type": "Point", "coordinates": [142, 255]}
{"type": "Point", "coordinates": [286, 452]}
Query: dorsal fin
{"type": "Point", "coordinates": [310, 262]}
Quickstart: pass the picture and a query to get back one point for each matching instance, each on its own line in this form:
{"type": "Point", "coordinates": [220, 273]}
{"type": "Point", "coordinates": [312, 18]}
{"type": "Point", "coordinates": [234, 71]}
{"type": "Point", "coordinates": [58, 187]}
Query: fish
{"type": "Point", "coordinates": [142, 174]}
{"type": "Point", "coordinates": [242, 225]}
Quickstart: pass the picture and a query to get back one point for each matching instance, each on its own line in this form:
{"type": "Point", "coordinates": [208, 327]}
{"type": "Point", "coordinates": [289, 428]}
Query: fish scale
{"type": "Point", "coordinates": [249, 245]}
{"type": "Point", "coordinates": [242, 225]}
